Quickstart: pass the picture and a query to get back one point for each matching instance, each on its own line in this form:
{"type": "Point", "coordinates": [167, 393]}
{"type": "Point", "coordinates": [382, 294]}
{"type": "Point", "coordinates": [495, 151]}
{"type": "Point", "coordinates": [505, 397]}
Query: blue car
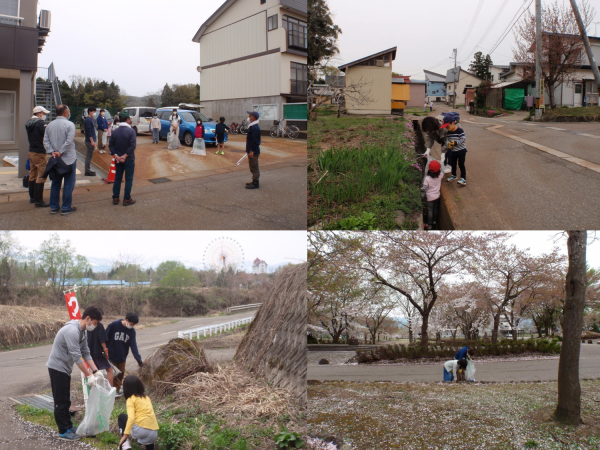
{"type": "Point", "coordinates": [188, 126]}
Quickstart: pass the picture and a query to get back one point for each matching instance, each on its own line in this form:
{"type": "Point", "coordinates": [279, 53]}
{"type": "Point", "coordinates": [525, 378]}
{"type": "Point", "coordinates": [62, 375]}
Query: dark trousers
{"type": "Point", "coordinates": [118, 379]}
{"type": "Point", "coordinates": [122, 421]}
{"type": "Point", "coordinates": [433, 210]}
{"type": "Point", "coordinates": [67, 197]}
{"type": "Point", "coordinates": [127, 168]}
{"type": "Point", "coordinates": [460, 159]}
{"type": "Point", "coordinates": [88, 156]}
{"type": "Point", "coordinates": [61, 392]}
{"type": "Point", "coordinates": [253, 163]}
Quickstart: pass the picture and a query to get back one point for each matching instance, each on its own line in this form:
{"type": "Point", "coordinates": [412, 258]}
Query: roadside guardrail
{"type": "Point", "coordinates": [213, 329]}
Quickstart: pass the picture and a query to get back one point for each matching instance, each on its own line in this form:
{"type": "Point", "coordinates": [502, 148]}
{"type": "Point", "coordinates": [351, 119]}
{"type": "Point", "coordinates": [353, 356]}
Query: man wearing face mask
{"type": "Point", "coordinates": [90, 139]}
{"type": "Point", "coordinates": [36, 128]}
{"type": "Point", "coordinates": [70, 347]}
{"type": "Point", "coordinates": [121, 337]}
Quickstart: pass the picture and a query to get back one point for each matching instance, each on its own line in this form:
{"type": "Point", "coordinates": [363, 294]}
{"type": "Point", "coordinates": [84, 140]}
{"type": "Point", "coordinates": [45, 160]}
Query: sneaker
{"type": "Point", "coordinates": [126, 445]}
{"type": "Point", "coordinates": [119, 393]}
{"type": "Point", "coordinates": [54, 211]}
{"type": "Point", "coordinates": [462, 182]}
{"type": "Point", "coordinates": [254, 185]}
{"type": "Point", "coordinates": [217, 152]}
{"type": "Point", "coordinates": [90, 173]}
{"type": "Point", "coordinates": [452, 178]}
{"type": "Point", "coordinates": [69, 436]}
{"type": "Point", "coordinates": [222, 152]}
{"type": "Point", "coordinates": [66, 212]}
{"type": "Point", "coordinates": [426, 227]}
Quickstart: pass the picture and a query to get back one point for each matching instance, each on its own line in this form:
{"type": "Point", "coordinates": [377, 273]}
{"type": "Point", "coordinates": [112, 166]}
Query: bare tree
{"type": "Point", "coordinates": [378, 308]}
{"type": "Point", "coordinates": [563, 50]}
{"type": "Point", "coordinates": [568, 409]}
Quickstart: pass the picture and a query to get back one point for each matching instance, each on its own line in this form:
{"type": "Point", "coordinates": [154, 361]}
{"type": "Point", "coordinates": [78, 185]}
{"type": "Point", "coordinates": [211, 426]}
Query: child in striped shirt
{"type": "Point", "coordinates": [456, 143]}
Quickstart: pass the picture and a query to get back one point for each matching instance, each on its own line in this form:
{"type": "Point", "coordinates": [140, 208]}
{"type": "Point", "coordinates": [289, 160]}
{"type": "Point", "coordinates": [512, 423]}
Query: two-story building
{"type": "Point", "coordinates": [457, 82]}
{"type": "Point", "coordinates": [259, 266]}
{"type": "Point", "coordinates": [253, 56]}
{"type": "Point", "coordinates": [436, 86]}
{"type": "Point", "coordinates": [22, 37]}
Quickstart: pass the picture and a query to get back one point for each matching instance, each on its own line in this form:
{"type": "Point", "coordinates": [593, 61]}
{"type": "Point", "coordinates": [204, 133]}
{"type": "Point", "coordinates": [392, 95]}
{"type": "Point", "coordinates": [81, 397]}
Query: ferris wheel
{"type": "Point", "coordinates": [223, 253]}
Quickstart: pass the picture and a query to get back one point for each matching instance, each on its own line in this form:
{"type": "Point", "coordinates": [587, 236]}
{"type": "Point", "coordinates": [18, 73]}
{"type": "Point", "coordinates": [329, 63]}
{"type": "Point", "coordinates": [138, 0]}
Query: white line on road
{"type": "Point", "coordinates": [557, 129]}
{"type": "Point", "coordinates": [588, 135]}
{"type": "Point", "coordinates": [169, 332]}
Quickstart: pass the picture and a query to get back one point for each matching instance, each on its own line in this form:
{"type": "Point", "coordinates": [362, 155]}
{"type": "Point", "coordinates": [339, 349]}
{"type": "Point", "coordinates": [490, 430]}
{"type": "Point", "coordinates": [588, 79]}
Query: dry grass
{"type": "Point", "coordinates": [232, 391]}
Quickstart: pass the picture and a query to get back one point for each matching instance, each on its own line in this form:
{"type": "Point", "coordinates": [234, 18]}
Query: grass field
{"type": "Point", "coordinates": [441, 416]}
{"type": "Point", "coordinates": [572, 112]}
{"type": "Point", "coordinates": [361, 171]}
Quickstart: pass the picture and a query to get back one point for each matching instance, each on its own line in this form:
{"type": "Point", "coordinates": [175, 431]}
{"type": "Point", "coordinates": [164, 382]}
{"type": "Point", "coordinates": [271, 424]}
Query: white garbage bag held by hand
{"type": "Point", "coordinates": [92, 380]}
{"type": "Point", "coordinates": [199, 147]}
{"type": "Point", "coordinates": [98, 408]}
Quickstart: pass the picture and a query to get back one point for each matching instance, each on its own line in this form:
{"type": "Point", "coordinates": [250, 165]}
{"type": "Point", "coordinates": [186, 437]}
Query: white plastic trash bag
{"type": "Point", "coordinates": [199, 147]}
{"type": "Point", "coordinates": [470, 371]}
{"type": "Point", "coordinates": [100, 403]}
{"type": "Point", "coordinates": [173, 141]}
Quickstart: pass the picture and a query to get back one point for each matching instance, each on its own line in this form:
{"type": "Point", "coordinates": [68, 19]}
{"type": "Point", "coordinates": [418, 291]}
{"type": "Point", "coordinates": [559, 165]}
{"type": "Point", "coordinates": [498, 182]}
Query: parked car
{"type": "Point", "coordinates": [84, 114]}
{"type": "Point", "coordinates": [188, 126]}
{"type": "Point", "coordinates": [140, 118]}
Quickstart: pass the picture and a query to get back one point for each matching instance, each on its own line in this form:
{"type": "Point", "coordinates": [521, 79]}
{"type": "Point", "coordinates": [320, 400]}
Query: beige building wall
{"type": "Point", "coordinates": [379, 83]}
{"type": "Point", "coordinates": [256, 77]}
{"type": "Point", "coordinates": [464, 80]}
{"type": "Point", "coordinates": [232, 42]}
{"type": "Point", "coordinates": [29, 12]}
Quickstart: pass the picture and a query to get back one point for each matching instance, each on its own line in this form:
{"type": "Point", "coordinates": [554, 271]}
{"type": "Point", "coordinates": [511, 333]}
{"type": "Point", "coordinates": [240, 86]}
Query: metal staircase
{"type": "Point", "coordinates": [47, 92]}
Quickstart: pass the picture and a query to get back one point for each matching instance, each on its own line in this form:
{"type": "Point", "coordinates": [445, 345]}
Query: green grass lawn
{"type": "Point", "coordinates": [386, 416]}
{"type": "Point", "coordinates": [361, 171]}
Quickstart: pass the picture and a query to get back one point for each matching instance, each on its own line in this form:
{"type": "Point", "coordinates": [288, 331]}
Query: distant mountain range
{"type": "Point", "coordinates": [104, 264]}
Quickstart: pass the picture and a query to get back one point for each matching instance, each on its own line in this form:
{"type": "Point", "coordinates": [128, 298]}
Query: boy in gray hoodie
{"type": "Point", "coordinates": [70, 347]}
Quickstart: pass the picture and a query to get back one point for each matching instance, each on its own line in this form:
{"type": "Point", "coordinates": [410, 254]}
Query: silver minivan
{"type": "Point", "coordinates": [140, 118]}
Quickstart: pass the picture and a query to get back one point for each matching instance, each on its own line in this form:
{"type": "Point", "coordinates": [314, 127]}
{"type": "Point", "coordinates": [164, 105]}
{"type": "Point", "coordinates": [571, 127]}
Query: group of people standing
{"type": "Point", "coordinates": [86, 343]}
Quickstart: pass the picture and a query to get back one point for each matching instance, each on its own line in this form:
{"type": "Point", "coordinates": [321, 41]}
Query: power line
{"type": "Point", "coordinates": [511, 27]}
{"type": "Point", "coordinates": [473, 20]}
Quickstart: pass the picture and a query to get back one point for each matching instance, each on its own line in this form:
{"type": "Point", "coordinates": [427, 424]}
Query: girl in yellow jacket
{"type": "Point", "coordinates": [139, 422]}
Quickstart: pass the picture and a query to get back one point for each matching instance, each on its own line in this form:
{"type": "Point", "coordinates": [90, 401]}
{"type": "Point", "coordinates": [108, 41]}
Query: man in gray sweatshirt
{"type": "Point", "coordinates": [70, 347]}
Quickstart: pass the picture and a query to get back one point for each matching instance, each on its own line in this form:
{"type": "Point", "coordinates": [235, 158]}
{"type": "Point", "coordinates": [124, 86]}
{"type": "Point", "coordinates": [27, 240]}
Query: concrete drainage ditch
{"type": "Point", "coordinates": [444, 221]}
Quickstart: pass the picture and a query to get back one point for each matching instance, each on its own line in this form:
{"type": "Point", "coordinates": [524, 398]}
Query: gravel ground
{"type": "Point", "coordinates": [45, 436]}
{"type": "Point", "coordinates": [332, 357]}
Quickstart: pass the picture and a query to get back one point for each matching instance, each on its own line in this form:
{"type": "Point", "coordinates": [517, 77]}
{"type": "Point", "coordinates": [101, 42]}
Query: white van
{"type": "Point", "coordinates": [140, 118]}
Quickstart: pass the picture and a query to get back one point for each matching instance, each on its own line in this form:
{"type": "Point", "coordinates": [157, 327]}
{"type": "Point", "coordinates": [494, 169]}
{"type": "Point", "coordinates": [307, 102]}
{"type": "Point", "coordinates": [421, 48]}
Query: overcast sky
{"type": "Point", "coordinates": [140, 44]}
{"type": "Point", "coordinates": [425, 32]}
{"type": "Point", "coordinates": [274, 247]}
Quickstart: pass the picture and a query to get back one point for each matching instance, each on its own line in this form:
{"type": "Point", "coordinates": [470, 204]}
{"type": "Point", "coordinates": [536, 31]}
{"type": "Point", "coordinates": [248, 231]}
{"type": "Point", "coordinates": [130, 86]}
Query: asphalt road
{"type": "Point", "coordinates": [24, 372]}
{"type": "Point", "coordinates": [512, 185]}
{"type": "Point", "coordinates": [494, 371]}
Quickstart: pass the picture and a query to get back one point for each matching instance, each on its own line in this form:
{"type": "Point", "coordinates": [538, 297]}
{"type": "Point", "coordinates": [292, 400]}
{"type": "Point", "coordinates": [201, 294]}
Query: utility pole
{"type": "Point", "coordinates": [455, 53]}
{"type": "Point", "coordinates": [538, 59]}
{"type": "Point", "coordinates": [586, 43]}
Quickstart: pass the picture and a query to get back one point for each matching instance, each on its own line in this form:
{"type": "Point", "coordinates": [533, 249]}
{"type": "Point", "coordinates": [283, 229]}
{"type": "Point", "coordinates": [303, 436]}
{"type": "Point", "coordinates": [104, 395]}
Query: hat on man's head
{"type": "Point", "coordinates": [124, 115]}
{"type": "Point", "coordinates": [254, 114]}
{"type": "Point", "coordinates": [40, 109]}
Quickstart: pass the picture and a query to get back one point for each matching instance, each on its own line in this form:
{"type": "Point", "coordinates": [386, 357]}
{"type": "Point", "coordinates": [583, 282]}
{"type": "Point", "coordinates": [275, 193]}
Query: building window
{"type": "Point", "coordinates": [9, 8]}
{"type": "Point", "coordinates": [273, 22]}
{"type": "Point", "coordinates": [262, 2]}
{"type": "Point", "coordinates": [297, 32]}
{"type": "Point", "coordinates": [299, 78]}
{"type": "Point", "coordinates": [8, 107]}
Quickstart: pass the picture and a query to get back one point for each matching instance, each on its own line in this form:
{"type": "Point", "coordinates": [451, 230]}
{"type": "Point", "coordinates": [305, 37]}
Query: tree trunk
{"type": "Point", "coordinates": [410, 336]}
{"type": "Point", "coordinates": [495, 329]}
{"type": "Point", "coordinates": [515, 335]}
{"type": "Point", "coordinates": [424, 336]}
{"type": "Point", "coordinates": [568, 409]}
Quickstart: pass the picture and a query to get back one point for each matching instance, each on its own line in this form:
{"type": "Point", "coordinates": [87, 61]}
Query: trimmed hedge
{"type": "Point", "coordinates": [445, 350]}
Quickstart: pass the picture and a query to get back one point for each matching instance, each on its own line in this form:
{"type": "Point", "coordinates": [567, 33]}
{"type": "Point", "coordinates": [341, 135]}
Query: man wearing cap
{"type": "Point", "coordinates": [60, 142]}
{"type": "Point", "coordinates": [253, 148]}
{"type": "Point", "coordinates": [122, 146]}
{"type": "Point", "coordinates": [36, 128]}
{"type": "Point", "coordinates": [90, 140]}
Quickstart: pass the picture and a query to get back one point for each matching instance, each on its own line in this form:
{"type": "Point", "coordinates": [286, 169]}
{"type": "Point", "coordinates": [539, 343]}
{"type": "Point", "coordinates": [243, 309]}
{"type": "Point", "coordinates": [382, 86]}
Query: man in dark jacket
{"type": "Point", "coordinates": [36, 128]}
{"type": "Point", "coordinates": [253, 148]}
{"type": "Point", "coordinates": [122, 146]}
{"type": "Point", "coordinates": [121, 337]}
{"type": "Point", "coordinates": [102, 128]}
{"type": "Point", "coordinates": [90, 140]}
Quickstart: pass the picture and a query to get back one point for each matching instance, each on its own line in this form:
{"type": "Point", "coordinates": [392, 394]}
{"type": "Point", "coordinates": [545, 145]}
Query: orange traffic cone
{"type": "Point", "coordinates": [111, 173]}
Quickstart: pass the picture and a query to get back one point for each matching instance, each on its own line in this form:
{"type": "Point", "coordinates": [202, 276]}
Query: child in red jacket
{"type": "Point", "coordinates": [199, 134]}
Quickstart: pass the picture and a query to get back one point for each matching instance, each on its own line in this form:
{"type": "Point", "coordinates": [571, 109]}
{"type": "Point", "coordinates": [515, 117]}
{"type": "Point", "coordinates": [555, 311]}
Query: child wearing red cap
{"type": "Point", "coordinates": [431, 187]}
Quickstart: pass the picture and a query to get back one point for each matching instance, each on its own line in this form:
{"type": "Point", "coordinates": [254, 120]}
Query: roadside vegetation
{"type": "Point", "coordinates": [361, 172]}
{"type": "Point", "coordinates": [450, 415]}
{"type": "Point", "coordinates": [587, 112]}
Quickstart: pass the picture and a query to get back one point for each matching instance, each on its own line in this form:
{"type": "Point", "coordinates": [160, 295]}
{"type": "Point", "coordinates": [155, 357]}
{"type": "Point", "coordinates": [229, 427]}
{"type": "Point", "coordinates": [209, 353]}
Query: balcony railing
{"type": "Point", "coordinates": [10, 20]}
{"type": "Point", "coordinates": [299, 87]}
